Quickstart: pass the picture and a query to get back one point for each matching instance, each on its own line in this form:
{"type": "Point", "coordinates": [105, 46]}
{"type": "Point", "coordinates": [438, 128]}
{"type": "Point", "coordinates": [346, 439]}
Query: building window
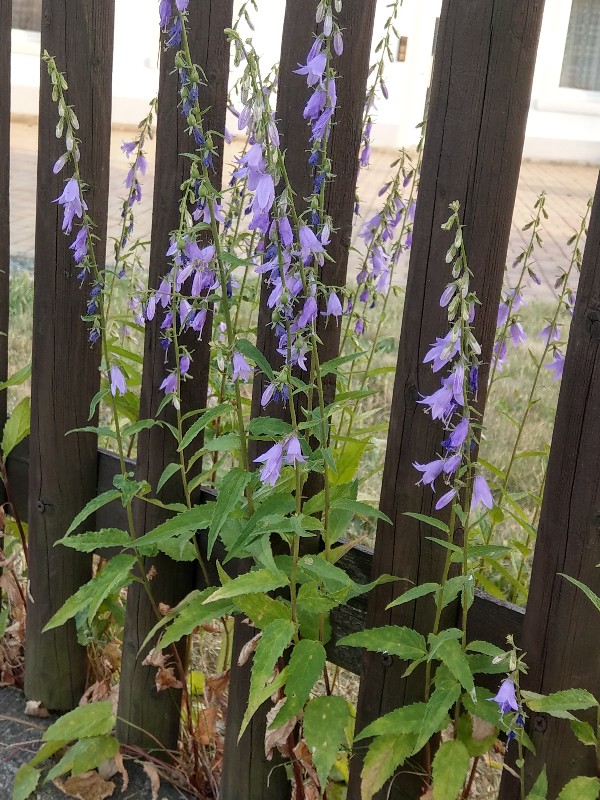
{"type": "Point", "coordinates": [581, 62]}
{"type": "Point", "coordinates": [27, 15]}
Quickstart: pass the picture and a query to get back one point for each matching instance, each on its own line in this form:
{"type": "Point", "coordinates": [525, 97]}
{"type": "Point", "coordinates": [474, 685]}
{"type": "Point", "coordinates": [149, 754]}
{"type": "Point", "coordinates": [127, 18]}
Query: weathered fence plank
{"type": "Point", "coordinates": [247, 757]}
{"type": "Point", "coordinates": [148, 715]}
{"type": "Point", "coordinates": [561, 653]}
{"type": "Point", "coordinates": [5, 17]}
{"type": "Point", "coordinates": [65, 369]}
{"type": "Point", "coordinates": [472, 154]}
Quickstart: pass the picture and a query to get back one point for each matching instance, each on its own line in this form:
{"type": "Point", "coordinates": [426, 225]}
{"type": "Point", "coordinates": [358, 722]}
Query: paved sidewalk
{"type": "Point", "coordinates": [568, 188]}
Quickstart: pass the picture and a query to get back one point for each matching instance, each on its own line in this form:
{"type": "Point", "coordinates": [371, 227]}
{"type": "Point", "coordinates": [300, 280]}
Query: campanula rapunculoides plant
{"type": "Point", "coordinates": [228, 241]}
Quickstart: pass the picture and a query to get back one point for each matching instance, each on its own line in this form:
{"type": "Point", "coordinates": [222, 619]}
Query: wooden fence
{"type": "Point", "coordinates": [479, 101]}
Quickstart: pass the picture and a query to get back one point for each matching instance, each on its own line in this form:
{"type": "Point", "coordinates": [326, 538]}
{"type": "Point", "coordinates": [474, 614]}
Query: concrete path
{"type": "Point", "coordinates": [568, 188]}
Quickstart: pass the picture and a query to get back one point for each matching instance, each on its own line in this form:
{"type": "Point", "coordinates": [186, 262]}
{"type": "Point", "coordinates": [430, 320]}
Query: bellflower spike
{"type": "Point", "coordinates": [117, 382]}
{"type": "Point", "coordinates": [272, 462]}
{"type": "Point", "coordinates": [481, 493]}
{"type": "Point", "coordinates": [506, 697]}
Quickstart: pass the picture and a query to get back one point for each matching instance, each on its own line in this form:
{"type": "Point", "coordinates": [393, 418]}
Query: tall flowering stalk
{"type": "Point", "coordinates": [509, 323]}
{"type": "Point", "coordinates": [377, 86]}
{"type": "Point", "coordinates": [552, 343]}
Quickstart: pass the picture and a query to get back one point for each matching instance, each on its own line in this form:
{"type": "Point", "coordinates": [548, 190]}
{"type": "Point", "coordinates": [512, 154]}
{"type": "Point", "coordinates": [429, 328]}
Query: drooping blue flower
{"type": "Point", "coordinates": [73, 205]}
{"type": "Point", "coordinates": [272, 462]}
{"type": "Point", "coordinates": [481, 493]}
{"type": "Point", "coordinates": [507, 697]}
{"type": "Point", "coordinates": [241, 369]}
{"type": "Point", "coordinates": [117, 381]}
{"type": "Point", "coordinates": [557, 365]}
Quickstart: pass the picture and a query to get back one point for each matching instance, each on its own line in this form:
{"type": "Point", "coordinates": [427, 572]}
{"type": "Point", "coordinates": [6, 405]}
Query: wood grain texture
{"type": "Point", "coordinates": [560, 631]}
{"type": "Point", "coordinates": [480, 94]}
{"type": "Point", "coordinates": [356, 19]}
{"type": "Point", "coordinates": [79, 33]}
{"type": "Point", "coordinates": [5, 26]}
{"type": "Point", "coordinates": [156, 715]}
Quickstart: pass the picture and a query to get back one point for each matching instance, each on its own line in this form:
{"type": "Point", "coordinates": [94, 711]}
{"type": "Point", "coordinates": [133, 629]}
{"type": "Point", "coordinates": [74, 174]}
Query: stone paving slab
{"type": "Point", "coordinates": [20, 739]}
{"type": "Point", "coordinates": [568, 187]}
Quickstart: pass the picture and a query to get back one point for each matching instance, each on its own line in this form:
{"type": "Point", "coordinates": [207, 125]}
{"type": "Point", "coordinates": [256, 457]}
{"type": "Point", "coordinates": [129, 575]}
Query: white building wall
{"type": "Point", "coordinates": [564, 124]}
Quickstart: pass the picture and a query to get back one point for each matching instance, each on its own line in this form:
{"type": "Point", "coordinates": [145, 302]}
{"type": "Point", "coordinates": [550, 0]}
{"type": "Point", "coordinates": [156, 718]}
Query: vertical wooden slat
{"type": "Point", "coordinates": [156, 715]}
{"type": "Point", "coordinates": [480, 94]}
{"type": "Point", "coordinates": [560, 630]}
{"type": "Point", "coordinates": [79, 33]}
{"type": "Point", "coordinates": [5, 17]}
{"type": "Point", "coordinates": [247, 758]}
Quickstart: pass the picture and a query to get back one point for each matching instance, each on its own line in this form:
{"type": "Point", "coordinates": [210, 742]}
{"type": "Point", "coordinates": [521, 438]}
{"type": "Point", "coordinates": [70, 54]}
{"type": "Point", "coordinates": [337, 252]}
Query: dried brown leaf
{"type": "Point", "coordinates": [205, 730]}
{"type": "Point", "coordinates": [215, 686]}
{"type": "Point", "coordinates": [165, 679]}
{"type": "Point", "coordinates": [154, 778]}
{"type": "Point", "coordinates": [34, 708]}
{"type": "Point", "coordinates": [304, 756]}
{"type": "Point", "coordinates": [155, 658]}
{"type": "Point", "coordinates": [89, 786]}
{"type": "Point", "coordinates": [248, 649]}
{"type": "Point", "coordinates": [481, 728]}
{"type": "Point", "coordinates": [278, 738]}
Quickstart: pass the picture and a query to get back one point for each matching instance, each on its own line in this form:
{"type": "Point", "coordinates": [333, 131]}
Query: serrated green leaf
{"type": "Point", "coordinates": [258, 581]}
{"type": "Point", "coordinates": [200, 424]}
{"type": "Point", "coordinates": [185, 523]}
{"type": "Point", "coordinates": [325, 720]}
{"type": "Point", "coordinates": [407, 719]}
{"type": "Point", "coordinates": [446, 693]}
{"type": "Point", "coordinates": [194, 613]}
{"type": "Point", "coordinates": [591, 596]}
{"type": "Point", "coordinates": [360, 509]}
{"type": "Point", "coordinates": [136, 427]}
{"type": "Point", "coordinates": [451, 654]}
{"type": "Point", "coordinates": [559, 704]}
{"type": "Point", "coordinates": [16, 427]}
{"type": "Point", "coordinates": [305, 668]}
{"type": "Point", "coordinates": [584, 732]}
{"type": "Point", "coordinates": [92, 506]}
{"type": "Point", "coordinates": [432, 521]}
{"type": "Point", "coordinates": [19, 377]}
{"type": "Point", "coordinates": [384, 756]}
{"type": "Point", "coordinates": [262, 609]}
{"type": "Point", "coordinates": [539, 790]}
{"type": "Point", "coordinates": [414, 593]}
{"type": "Point", "coordinates": [581, 788]}
{"type": "Point", "coordinates": [268, 426]}
{"type": "Point", "coordinates": [25, 783]}
{"type": "Point", "coordinates": [273, 642]}
{"type": "Point", "coordinates": [84, 722]}
{"type": "Point", "coordinates": [231, 490]}
{"type": "Point", "coordinates": [115, 575]}
{"type": "Point", "coordinates": [449, 769]}
{"type": "Point", "coordinates": [247, 349]}
{"type": "Point", "coordinates": [167, 473]}
{"type": "Point", "coordinates": [403, 642]}
{"type": "Point", "coordinates": [91, 541]}
{"type": "Point", "coordinates": [84, 755]}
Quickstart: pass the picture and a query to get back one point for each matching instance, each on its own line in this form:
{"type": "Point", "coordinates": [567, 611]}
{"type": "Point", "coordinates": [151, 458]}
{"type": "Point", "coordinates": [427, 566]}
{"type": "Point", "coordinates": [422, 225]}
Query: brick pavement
{"type": "Point", "coordinates": [568, 188]}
